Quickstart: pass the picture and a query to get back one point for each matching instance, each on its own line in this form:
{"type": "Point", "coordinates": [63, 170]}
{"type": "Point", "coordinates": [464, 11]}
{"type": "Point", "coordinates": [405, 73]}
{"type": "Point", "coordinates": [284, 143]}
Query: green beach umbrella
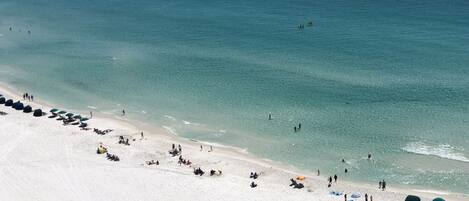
{"type": "Point", "coordinates": [62, 112]}
{"type": "Point", "coordinates": [412, 198]}
{"type": "Point", "coordinates": [84, 119]}
{"type": "Point", "coordinates": [77, 116]}
{"type": "Point", "coordinates": [69, 115]}
{"type": "Point", "coordinates": [438, 199]}
{"type": "Point", "coordinates": [54, 110]}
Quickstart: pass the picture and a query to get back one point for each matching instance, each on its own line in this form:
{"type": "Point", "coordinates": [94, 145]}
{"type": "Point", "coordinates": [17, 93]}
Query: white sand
{"type": "Point", "coordinates": [42, 160]}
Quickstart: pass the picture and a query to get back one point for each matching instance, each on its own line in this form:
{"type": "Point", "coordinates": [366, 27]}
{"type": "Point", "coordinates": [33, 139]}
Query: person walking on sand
{"type": "Point", "coordinates": [319, 173]}
{"type": "Point", "coordinates": [335, 178]}
{"type": "Point", "coordinates": [180, 148]}
{"type": "Point", "coordinates": [91, 114]}
{"type": "Point", "coordinates": [384, 185]}
{"type": "Point", "coordinates": [32, 98]}
{"type": "Point", "coordinates": [371, 198]}
{"type": "Point", "coordinates": [201, 148]}
{"type": "Point", "coordinates": [345, 196]}
{"type": "Point", "coordinates": [380, 184]}
{"type": "Point", "coordinates": [366, 197]}
{"type": "Point", "coordinates": [141, 134]}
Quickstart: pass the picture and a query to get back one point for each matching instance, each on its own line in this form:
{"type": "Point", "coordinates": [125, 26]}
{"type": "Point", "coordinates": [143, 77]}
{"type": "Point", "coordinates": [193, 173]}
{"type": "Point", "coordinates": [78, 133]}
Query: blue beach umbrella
{"type": "Point", "coordinates": [412, 198]}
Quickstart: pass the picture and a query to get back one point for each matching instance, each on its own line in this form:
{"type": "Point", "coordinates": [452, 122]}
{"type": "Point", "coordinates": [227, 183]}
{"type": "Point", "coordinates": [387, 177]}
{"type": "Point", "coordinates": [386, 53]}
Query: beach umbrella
{"type": "Point", "coordinates": [19, 106]}
{"type": "Point", "coordinates": [69, 115]}
{"type": "Point", "coordinates": [54, 110]}
{"type": "Point", "coordinates": [84, 119]}
{"type": "Point", "coordinates": [356, 195]}
{"type": "Point", "coordinates": [412, 198]}
{"type": "Point", "coordinates": [9, 103]}
{"type": "Point", "coordinates": [438, 199]}
{"type": "Point", "coordinates": [37, 113]}
{"type": "Point", "coordinates": [2, 100]}
{"type": "Point", "coordinates": [77, 116]}
{"type": "Point", "coordinates": [62, 112]}
{"type": "Point", "coordinates": [27, 109]}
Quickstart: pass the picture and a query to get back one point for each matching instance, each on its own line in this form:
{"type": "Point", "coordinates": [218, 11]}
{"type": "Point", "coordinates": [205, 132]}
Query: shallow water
{"type": "Point", "coordinates": [385, 77]}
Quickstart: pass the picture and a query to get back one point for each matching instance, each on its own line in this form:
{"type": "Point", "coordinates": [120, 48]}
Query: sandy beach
{"type": "Point", "coordinates": [41, 159]}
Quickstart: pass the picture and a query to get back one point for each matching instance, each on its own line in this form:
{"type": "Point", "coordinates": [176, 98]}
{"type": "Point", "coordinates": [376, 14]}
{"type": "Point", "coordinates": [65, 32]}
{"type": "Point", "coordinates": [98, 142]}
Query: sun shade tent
{"type": "Point", "coordinates": [54, 110]}
{"type": "Point", "coordinates": [27, 109]}
{"type": "Point", "coordinates": [2, 100]}
{"type": "Point", "coordinates": [37, 113]}
{"type": "Point", "coordinates": [18, 106]}
{"type": "Point", "coordinates": [438, 199]}
{"type": "Point", "coordinates": [9, 103]}
{"type": "Point", "coordinates": [412, 198]}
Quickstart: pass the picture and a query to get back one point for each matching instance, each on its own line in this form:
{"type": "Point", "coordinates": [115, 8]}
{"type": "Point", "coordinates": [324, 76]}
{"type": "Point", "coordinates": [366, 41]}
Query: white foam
{"type": "Point", "coordinates": [443, 151]}
{"type": "Point", "coordinates": [92, 107]}
{"type": "Point", "coordinates": [189, 123]}
{"type": "Point", "coordinates": [170, 117]}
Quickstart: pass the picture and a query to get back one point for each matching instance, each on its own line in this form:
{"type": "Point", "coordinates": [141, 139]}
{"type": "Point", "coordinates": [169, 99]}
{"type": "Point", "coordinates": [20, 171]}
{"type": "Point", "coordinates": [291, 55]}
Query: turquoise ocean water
{"type": "Point", "coordinates": [386, 77]}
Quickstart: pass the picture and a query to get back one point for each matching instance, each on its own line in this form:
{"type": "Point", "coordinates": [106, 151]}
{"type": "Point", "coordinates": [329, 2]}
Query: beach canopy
{"type": "Point", "coordinates": [37, 113]}
{"type": "Point", "coordinates": [62, 112]}
{"type": "Point", "coordinates": [412, 198]}
{"type": "Point", "coordinates": [27, 109]}
{"type": "Point", "coordinates": [2, 100]}
{"type": "Point", "coordinates": [438, 199]}
{"type": "Point", "coordinates": [9, 102]}
{"type": "Point", "coordinates": [18, 106]}
{"type": "Point", "coordinates": [54, 110]}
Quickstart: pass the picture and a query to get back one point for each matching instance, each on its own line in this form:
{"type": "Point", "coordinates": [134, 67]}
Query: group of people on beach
{"type": "Point", "coordinates": [27, 96]}
{"type": "Point", "coordinates": [112, 157]}
{"type": "Point", "coordinates": [102, 132]}
{"type": "Point", "coordinates": [254, 176]}
{"type": "Point", "coordinates": [124, 141]}
{"type": "Point", "coordinates": [296, 184]}
{"type": "Point", "coordinates": [382, 185]}
{"type": "Point", "coordinates": [183, 161]}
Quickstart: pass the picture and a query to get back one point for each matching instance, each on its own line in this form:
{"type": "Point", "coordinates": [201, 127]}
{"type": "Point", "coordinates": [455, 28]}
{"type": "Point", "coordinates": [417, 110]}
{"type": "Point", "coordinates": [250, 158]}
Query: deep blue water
{"type": "Point", "coordinates": [386, 77]}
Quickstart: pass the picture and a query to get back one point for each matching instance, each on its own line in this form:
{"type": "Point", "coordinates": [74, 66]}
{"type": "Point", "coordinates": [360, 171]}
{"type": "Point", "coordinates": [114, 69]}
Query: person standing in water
{"type": "Point", "coordinates": [369, 156]}
{"type": "Point", "coordinates": [123, 112]}
{"type": "Point", "coordinates": [270, 116]}
{"type": "Point", "coordinates": [299, 126]}
{"type": "Point", "coordinates": [319, 173]}
{"type": "Point", "coordinates": [91, 114]}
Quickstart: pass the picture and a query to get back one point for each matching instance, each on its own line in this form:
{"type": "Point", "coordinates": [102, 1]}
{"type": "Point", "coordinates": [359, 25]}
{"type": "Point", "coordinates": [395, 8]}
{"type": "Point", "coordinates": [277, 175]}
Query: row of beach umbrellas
{"type": "Point", "coordinates": [20, 106]}
{"type": "Point", "coordinates": [68, 114]}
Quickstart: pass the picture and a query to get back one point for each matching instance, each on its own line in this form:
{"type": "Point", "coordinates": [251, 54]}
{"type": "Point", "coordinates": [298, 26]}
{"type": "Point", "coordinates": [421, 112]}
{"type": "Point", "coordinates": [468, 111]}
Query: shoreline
{"type": "Point", "coordinates": [230, 153]}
